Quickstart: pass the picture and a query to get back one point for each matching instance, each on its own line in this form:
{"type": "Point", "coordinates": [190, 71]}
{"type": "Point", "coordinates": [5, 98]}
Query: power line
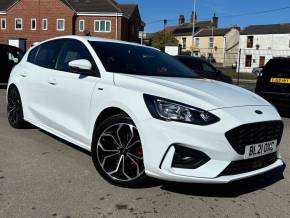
{"type": "Point", "coordinates": [230, 16]}
{"type": "Point", "coordinates": [256, 13]}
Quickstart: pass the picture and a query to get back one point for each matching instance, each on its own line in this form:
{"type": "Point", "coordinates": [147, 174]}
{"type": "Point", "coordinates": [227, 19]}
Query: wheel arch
{"type": "Point", "coordinates": [106, 113]}
{"type": "Point", "coordinates": [10, 86]}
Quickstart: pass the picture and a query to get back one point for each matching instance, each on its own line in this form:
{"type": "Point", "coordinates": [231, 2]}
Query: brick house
{"type": "Point", "coordinates": [30, 21]}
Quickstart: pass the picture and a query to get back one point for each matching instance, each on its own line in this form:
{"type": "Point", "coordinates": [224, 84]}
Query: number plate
{"type": "Point", "coordinates": [280, 80]}
{"type": "Point", "coordinates": [260, 149]}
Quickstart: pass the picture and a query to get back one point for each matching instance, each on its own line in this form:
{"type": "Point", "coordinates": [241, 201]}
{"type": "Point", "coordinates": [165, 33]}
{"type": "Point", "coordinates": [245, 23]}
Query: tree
{"type": "Point", "coordinates": [159, 40]}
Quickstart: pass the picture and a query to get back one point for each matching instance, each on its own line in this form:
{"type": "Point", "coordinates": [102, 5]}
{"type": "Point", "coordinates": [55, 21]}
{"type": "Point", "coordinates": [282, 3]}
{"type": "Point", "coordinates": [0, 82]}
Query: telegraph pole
{"type": "Point", "coordinates": [193, 25]}
{"type": "Point", "coordinates": [165, 23]}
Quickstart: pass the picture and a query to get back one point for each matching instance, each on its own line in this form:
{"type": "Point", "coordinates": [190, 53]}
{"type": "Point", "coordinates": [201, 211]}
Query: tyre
{"type": "Point", "coordinates": [117, 152]}
{"type": "Point", "coordinates": [14, 109]}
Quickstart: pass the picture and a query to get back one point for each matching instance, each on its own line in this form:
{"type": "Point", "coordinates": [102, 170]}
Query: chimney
{"type": "Point", "coordinates": [215, 21]}
{"type": "Point", "coordinates": [191, 18]}
{"type": "Point", "coordinates": [181, 20]}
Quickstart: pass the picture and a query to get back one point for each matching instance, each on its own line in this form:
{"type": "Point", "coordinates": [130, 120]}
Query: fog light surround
{"type": "Point", "coordinates": [187, 158]}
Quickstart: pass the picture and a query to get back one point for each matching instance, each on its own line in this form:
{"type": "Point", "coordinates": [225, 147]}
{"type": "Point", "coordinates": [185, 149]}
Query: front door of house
{"type": "Point", "coordinates": [262, 61]}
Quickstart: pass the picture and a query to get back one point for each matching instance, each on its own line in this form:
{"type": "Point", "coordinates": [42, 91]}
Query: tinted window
{"type": "Point", "coordinates": [32, 54]}
{"type": "Point", "coordinates": [13, 56]}
{"type": "Point", "coordinates": [48, 53]}
{"type": "Point", "coordinates": [73, 50]}
{"type": "Point", "coordinates": [192, 63]}
{"type": "Point", "coordinates": [208, 68]}
{"type": "Point", "coordinates": [138, 60]}
{"type": "Point", "coordinates": [278, 65]}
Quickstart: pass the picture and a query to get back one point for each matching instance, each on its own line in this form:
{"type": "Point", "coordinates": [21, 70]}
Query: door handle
{"type": "Point", "coordinates": [52, 81]}
{"type": "Point", "coordinates": [23, 74]}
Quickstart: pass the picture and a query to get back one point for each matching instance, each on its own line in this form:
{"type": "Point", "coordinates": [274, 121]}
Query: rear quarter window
{"type": "Point", "coordinates": [48, 53]}
{"type": "Point", "coordinates": [32, 54]}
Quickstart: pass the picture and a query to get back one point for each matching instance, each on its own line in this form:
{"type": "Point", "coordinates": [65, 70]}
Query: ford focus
{"type": "Point", "coordinates": [142, 114]}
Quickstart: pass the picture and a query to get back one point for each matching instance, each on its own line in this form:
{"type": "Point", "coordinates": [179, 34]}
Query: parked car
{"type": "Point", "coordinates": [9, 57]}
{"type": "Point", "coordinates": [273, 83]}
{"type": "Point", "coordinates": [142, 113]}
{"type": "Point", "coordinates": [257, 70]}
{"type": "Point", "coordinates": [204, 68]}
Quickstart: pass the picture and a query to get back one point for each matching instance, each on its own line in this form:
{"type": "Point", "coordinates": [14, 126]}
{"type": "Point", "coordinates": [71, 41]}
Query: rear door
{"type": "Point", "coordinates": [70, 93]}
{"type": "Point", "coordinates": [41, 60]}
{"type": "Point", "coordinates": [276, 76]}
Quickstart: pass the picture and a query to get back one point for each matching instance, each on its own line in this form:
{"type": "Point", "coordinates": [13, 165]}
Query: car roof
{"type": "Point", "coordinates": [96, 39]}
{"type": "Point", "coordinates": [11, 47]}
{"type": "Point", "coordinates": [187, 57]}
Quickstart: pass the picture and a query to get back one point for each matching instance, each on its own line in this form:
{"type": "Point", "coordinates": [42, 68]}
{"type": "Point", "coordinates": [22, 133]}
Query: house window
{"type": "Point", "coordinates": [3, 23]}
{"type": "Point", "coordinates": [248, 61]}
{"type": "Point", "coordinates": [82, 25]}
{"type": "Point", "coordinates": [197, 42]}
{"type": "Point", "coordinates": [210, 42]}
{"type": "Point", "coordinates": [183, 43]}
{"type": "Point", "coordinates": [102, 26]}
{"type": "Point", "coordinates": [250, 41]}
{"type": "Point", "coordinates": [44, 24]}
{"type": "Point", "coordinates": [18, 23]}
{"type": "Point", "coordinates": [60, 24]}
{"type": "Point", "coordinates": [33, 24]}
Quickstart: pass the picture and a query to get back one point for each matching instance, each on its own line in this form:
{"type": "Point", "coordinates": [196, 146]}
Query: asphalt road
{"type": "Point", "coordinates": [42, 176]}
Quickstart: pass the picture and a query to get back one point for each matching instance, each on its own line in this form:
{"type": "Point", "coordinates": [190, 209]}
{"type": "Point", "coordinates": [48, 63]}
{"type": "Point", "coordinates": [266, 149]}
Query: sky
{"type": "Point", "coordinates": [153, 11]}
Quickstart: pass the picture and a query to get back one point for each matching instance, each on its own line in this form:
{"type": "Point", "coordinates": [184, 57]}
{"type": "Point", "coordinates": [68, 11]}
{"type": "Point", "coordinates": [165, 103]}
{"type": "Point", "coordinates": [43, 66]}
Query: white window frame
{"type": "Point", "coordinates": [18, 18]}
{"type": "Point", "coordinates": [106, 21]}
{"type": "Point", "coordinates": [197, 42]}
{"type": "Point", "coordinates": [31, 20]}
{"type": "Point", "coordinates": [5, 21]}
{"type": "Point", "coordinates": [84, 23]}
{"type": "Point", "coordinates": [211, 44]}
{"type": "Point", "coordinates": [184, 42]}
{"type": "Point", "coordinates": [42, 23]}
{"type": "Point", "coordinates": [57, 29]}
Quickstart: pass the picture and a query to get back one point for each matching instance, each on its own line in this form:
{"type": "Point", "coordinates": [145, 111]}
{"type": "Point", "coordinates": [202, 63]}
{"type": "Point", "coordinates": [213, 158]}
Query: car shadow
{"type": "Point", "coordinates": [284, 114]}
{"type": "Point", "coordinates": [3, 86]}
{"type": "Point", "coordinates": [66, 142]}
{"type": "Point", "coordinates": [233, 189]}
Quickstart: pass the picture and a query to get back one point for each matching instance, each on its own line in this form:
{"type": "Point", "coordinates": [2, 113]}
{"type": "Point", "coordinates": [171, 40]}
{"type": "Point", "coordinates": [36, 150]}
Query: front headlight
{"type": "Point", "coordinates": [169, 110]}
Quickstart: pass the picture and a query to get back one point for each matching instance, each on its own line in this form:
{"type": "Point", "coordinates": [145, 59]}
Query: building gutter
{"type": "Point", "coordinates": [102, 14]}
{"type": "Point", "coordinates": [116, 27]}
{"type": "Point", "coordinates": [3, 12]}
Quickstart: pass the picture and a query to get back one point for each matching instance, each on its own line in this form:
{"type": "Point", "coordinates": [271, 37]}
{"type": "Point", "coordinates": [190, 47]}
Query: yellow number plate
{"type": "Point", "coordinates": [280, 80]}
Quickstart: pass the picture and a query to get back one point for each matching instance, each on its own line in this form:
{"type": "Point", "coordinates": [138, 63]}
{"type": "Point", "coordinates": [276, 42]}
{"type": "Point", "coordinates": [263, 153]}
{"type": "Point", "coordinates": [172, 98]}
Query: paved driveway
{"type": "Point", "coordinates": [43, 176]}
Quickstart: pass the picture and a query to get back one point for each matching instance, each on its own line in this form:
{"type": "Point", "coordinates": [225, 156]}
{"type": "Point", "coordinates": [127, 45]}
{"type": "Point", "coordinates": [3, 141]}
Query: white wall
{"type": "Point", "coordinates": [270, 45]}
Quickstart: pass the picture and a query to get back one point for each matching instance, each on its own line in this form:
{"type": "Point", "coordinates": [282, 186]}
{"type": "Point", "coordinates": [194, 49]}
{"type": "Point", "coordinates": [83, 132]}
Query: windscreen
{"type": "Point", "coordinates": [139, 60]}
{"type": "Point", "coordinates": [278, 65]}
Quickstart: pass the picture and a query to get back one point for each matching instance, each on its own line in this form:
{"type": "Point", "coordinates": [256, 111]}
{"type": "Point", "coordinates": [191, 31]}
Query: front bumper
{"type": "Point", "coordinates": [157, 136]}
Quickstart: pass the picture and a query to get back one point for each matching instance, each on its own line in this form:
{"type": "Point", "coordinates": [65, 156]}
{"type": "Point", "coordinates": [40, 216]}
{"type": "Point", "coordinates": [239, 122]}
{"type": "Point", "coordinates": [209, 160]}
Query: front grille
{"type": "Point", "coordinates": [254, 133]}
{"type": "Point", "coordinates": [244, 166]}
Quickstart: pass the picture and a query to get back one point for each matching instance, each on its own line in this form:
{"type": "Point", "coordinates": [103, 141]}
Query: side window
{"type": "Point", "coordinates": [191, 63]}
{"type": "Point", "coordinates": [48, 53]}
{"type": "Point", "coordinates": [13, 57]}
{"type": "Point", "coordinates": [73, 50]}
{"type": "Point", "coordinates": [208, 68]}
{"type": "Point", "coordinates": [32, 54]}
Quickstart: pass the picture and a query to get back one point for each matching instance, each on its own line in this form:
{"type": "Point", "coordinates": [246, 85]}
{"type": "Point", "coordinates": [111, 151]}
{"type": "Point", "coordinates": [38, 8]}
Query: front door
{"type": "Point", "coordinates": [70, 93]}
{"type": "Point", "coordinates": [262, 61]}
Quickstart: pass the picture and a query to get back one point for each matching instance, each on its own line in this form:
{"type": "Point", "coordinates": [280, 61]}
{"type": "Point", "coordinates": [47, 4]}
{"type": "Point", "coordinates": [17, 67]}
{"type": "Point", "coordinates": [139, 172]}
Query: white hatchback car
{"type": "Point", "coordinates": [143, 114]}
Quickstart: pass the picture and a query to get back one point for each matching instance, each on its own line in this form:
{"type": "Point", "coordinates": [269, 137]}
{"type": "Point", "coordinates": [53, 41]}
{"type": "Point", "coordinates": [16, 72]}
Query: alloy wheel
{"type": "Point", "coordinates": [14, 107]}
{"type": "Point", "coordinates": [119, 152]}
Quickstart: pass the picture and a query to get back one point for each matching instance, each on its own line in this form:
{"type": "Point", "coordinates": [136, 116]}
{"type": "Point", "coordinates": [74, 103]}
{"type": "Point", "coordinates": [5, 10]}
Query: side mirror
{"type": "Point", "coordinates": [81, 66]}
